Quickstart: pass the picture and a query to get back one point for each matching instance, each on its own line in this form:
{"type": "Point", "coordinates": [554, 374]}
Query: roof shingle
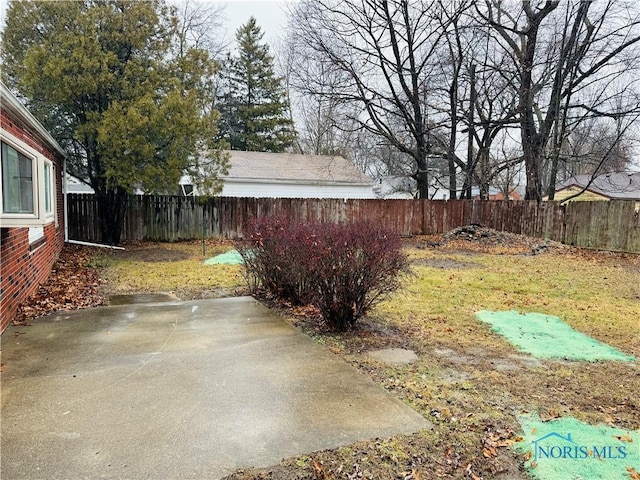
{"type": "Point", "coordinates": [294, 167]}
{"type": "Point", "coordinates": [621, 185]}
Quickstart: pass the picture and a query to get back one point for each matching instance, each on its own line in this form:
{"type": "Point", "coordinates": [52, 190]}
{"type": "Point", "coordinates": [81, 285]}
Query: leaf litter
{"type": "Point", "coordinates": [475, 426]}
{"type": "Point", "coordinates": [72, 284]}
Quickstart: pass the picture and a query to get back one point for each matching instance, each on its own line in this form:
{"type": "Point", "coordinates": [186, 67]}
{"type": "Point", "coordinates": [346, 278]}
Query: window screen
{"type": "Point", "coordinates": [47, 188]}
{"type": "Point", "coordinates": [17, 181]}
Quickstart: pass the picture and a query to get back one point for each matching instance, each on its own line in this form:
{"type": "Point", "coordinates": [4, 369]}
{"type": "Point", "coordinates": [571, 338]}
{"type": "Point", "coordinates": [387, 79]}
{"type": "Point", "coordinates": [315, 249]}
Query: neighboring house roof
{"type": "Point", "coordinates": [75, 185]}
{"type": "Point", "coordinates": [17, 110]}
{"type": "Point", "coordinates": [292, 167]}
{"type": "Point", "coordinates": [619, 186]}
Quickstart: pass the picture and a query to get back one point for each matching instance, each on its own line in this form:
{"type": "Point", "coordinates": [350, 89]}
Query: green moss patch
{"type": "Point", "coordinates": [546, 336]}
{"type": "Point", "coordinates": [568, 448]}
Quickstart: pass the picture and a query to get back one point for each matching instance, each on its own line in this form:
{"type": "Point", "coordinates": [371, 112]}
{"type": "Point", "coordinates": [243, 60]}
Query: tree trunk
{"type": "Point", "coordinates": [485, 174]}
{"type": "Point", "coordinates": [422, 175]}
{"type": "Point", "coordinates": [529, 134]}
{"type": "Point", "coordinates": [553, 174]}
{"type": "Point", "coordinates": [111, 210]}
{"type": "Point", "coordinates": [422, 178]}
{"type": "Point", "coordinates": [532, 165]}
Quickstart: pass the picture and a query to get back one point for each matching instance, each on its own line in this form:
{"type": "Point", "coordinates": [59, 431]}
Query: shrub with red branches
{"type": "Point", "coordinates": [342, 269]}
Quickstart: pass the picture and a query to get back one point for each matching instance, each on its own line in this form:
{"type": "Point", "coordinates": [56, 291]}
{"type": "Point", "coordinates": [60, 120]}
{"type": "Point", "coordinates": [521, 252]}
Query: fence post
{"type": "Point", "coordinates": [161, 218]}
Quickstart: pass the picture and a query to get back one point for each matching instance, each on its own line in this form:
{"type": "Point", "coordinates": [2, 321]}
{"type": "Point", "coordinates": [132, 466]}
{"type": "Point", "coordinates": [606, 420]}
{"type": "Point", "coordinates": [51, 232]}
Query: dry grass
{"type": "Point", "coordinates": [170, 267]}
{"type": "Point", "coordinates": [468, 381]}
{"type": "Point", "coordinates": [597, 294]}
{"type": "Point", "coordinates": [472, 383]}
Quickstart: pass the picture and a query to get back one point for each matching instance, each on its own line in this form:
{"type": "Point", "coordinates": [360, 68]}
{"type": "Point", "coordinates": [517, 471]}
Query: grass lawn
{"type": "Point", "coordinates": [169, 267]}
{"type": "Point", "coordinates": [470, 382]}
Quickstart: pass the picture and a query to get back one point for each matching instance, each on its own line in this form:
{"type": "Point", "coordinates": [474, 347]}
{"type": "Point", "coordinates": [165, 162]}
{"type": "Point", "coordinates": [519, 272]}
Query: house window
{"type": "Point", "coordinates": [48, 208]}
{"type": "Point", "coordinates": [17, 181]}
{"type": "Point", "coordinates": [27, 185]}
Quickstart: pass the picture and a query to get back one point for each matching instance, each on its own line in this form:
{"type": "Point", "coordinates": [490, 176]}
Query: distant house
{"type": "Point", "coordinates": [610, 186]}
{"type": "Point", "coordinates": [31, 204]}
{"type": "Point", "coordinates": [496, 194]}
{"type": "Point", "coordinates": [75, 185]}
{"type": "Point", "coordinates": [290, 175]}
{"type": "Point", "coordinates": [405, 187]}
{"type": "Point", "coordinates": [394, 187]}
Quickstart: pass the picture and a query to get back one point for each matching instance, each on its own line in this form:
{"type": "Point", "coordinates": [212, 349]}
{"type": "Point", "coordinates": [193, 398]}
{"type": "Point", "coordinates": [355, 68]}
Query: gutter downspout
{"type": "Point", "coordinates": [64, 200]}
{"type": "Point", "coordinates": [89, 244]}
{"type": "Point", "coordinates": [66, 216]}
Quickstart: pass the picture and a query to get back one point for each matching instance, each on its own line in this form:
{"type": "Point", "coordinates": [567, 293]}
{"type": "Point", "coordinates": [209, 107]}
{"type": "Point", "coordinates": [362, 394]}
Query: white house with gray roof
{"type": "Point", "coordinates": [291, 175]}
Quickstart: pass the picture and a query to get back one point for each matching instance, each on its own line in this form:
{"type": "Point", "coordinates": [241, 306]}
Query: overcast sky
{"type": "Point", "coordinates": [270, 15]}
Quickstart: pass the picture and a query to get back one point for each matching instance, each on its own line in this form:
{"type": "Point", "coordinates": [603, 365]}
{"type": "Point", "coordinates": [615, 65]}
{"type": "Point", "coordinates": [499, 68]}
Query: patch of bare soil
{"type": "Point", "coordinates": [445, 263]}
{"type": "Point", "coordinates": [146, 254]}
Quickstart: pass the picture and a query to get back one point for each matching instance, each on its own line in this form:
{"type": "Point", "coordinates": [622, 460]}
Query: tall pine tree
{"type": "Point", "coordinates": [102, 77]}
{"type": "Point", "coordinates": [251, 98]}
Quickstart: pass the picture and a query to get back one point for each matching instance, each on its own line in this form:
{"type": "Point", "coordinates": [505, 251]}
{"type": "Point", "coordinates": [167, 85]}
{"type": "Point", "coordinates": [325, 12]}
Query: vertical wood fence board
{"type": "Point", "coordinates": [633, 235]}
{"type": "Point", "coordinates": [613, 225]}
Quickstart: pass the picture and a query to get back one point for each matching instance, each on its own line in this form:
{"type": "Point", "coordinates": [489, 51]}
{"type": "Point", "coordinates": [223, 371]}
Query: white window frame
{"type": "Point", "coordinates": [41, 215]}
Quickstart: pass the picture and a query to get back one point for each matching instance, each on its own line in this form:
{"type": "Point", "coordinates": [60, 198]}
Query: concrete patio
{"type": "Point", "coordinates": [178, 390]}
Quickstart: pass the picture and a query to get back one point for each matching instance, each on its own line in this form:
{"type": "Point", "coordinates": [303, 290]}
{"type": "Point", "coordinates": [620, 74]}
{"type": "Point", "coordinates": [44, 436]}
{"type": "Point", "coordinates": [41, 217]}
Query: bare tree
{"type": "Point", "coordinates": [454, 54]}
{"type": "Point", "coordinates": [385, 52]}
{"type": "Point", "coordinates": [419, 74]}
{"type": "Point", "coordinates": [592, 145]}
{"type": "Point", "coordinates": [200, 26]}
{"type": "Point", "coordinates": [571, 58]}
{"type": "Point", "coordinates": [325, 120]}
{"type": "Point", "coordinates": [491, 108]}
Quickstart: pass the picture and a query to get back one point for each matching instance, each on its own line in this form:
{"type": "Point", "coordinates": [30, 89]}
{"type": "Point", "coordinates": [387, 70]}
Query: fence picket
{"type": "Point", "coordinates": [612, 225]}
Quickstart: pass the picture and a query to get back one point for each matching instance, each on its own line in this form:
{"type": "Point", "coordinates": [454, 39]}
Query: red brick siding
{"type": "Point", "coordinates": [22, 270]}
{"type": "Point", "coordinates": [18, 130]}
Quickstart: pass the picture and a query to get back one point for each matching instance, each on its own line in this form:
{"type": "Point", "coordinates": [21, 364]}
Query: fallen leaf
{"type": "Point", "coordinates": [318, 470]}
{"type": "Point", "coordinates": [71, 285]}
{"type": "Point", "coordinates": [550, 415]}
{"type": "Point", "coordinates": [624, 438]}
{"type": "Point", "coordinates": [633, 475]}
{"type": "Point", "coordinates": [489, 452]}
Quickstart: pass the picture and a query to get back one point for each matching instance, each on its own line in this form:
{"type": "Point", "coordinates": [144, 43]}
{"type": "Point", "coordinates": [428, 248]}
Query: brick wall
{"type": "Point", "coordinates": [23, 266]}
{"type": "Point", "coordinates": [19, 130]}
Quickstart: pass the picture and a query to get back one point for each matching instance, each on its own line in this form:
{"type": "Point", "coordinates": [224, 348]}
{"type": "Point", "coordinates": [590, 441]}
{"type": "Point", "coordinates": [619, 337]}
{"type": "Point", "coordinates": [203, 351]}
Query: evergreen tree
{"type": "Point", "coordinates": [104, 78]}
{"type": "Point", "coordinates": [251, 98]}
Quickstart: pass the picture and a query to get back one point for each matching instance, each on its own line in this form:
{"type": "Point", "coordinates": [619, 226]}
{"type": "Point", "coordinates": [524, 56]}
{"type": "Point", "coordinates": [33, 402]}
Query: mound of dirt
{"type": "Point", "coordinates": [481, 238]}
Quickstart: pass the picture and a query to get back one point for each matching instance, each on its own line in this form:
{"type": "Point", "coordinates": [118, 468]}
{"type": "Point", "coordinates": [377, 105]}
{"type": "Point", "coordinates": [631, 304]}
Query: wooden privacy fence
{"type": "Point", "coordinates": [610, 225]}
